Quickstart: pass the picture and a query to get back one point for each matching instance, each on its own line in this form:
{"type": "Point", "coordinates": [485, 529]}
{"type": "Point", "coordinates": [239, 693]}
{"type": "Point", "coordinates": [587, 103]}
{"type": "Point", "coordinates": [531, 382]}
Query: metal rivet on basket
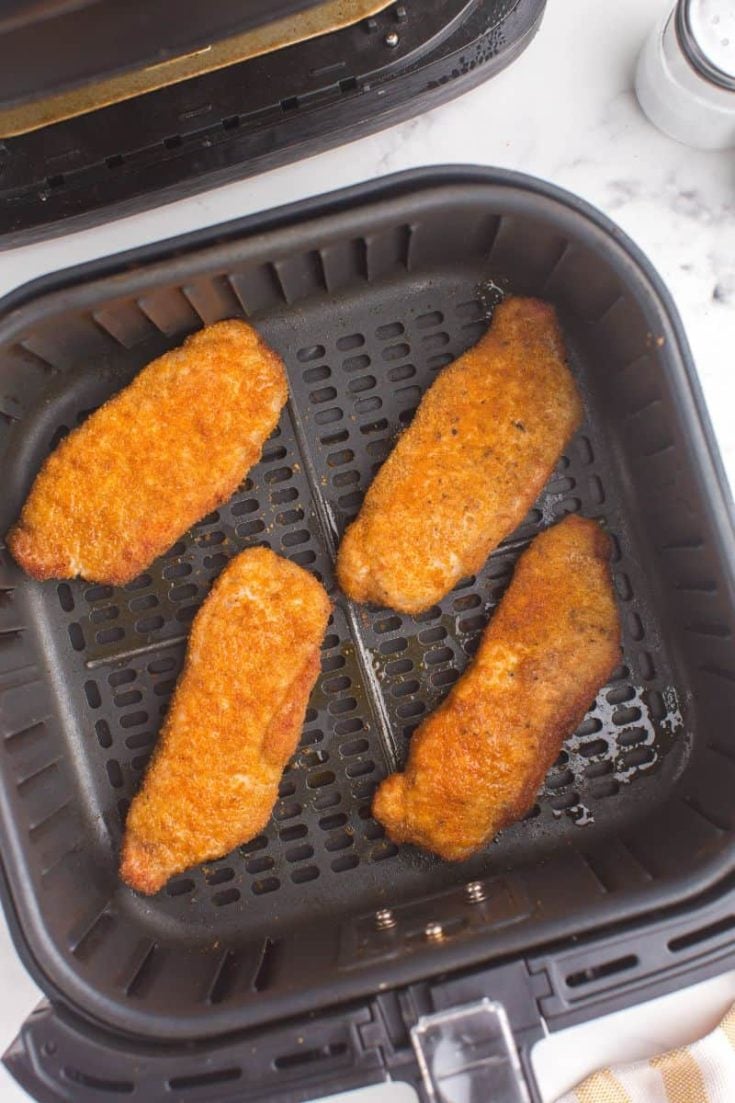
{"type": "Point", "coordinates": [384, 919]}
{"type": "Point", "coordinates": [434, 932]}
{"type": "Point", "coordinates": [391, 39]}
{"type": "Point", "coordinates": [476, 892]}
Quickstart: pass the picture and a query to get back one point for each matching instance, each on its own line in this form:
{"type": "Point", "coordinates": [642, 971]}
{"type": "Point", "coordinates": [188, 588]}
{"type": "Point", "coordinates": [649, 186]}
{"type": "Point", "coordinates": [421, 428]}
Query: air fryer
{"type": "Point", "coordinates": [320, 955]}
{"type": "Point", "coordinates": [107, 107]}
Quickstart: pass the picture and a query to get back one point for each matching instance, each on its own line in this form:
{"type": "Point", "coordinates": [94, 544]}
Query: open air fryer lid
{"type": "Point", "coordinates": [45, 44]}
{"type": "Point", "coordinates": [87, 135]}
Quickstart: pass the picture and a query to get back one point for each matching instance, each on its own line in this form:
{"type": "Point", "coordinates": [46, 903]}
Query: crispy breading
{"type": "Point", "coordinates": [234, 721]}
{"type": "Point", "coordinates": [160, 455]}
{"type": "Point", "coordinates": [484, 441]}
{"type": "Point", "coordinates": [476, 764]}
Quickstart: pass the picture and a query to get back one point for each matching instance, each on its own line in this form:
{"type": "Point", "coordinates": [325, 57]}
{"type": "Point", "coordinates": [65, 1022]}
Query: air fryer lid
{"type": "Point", "coordinates": [47, 47]}
{"type": "Point", "coordinates": [252, 115]}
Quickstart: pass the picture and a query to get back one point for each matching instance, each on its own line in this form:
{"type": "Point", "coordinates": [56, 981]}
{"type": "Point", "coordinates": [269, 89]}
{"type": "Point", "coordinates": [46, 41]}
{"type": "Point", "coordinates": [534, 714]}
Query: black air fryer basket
{"type": "Point", "coordinates": [320, 956]}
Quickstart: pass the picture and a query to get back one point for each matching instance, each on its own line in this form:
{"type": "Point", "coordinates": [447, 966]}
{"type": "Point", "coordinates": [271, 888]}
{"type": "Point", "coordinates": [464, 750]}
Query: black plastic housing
{"type": "Point", "coordinates": [256, 115]}
{"type": "Point", "coordinates": [367, 294]}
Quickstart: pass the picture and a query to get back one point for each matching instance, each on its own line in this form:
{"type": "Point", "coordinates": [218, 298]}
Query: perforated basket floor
{"type": "Point", "coordinates": [366, 305]}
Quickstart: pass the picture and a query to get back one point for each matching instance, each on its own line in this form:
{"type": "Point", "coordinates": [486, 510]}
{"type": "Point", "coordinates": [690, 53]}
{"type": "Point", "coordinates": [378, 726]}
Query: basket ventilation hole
{"type": "Point", "coordinates": [66, 598]}
{"type": "Point", "coordinates": [123, 677]}
{"type": "Point", "coordinates": [227, 896]}
{"type": "Point", "coordinates": [179, 888]}
{"type": "Point", "coordinates": [204, 1079]}
{"type": "Point", "coordinates": [302, 874]}
{"type": "Point", "coordinates": [267, 884]}
{"type": "Point", "coordinates": [104, 735]}
{"type": "Point", "coordinates": [345, 862]}
{"type": "Point", "coordinates": [310, 1056]}
{"type": "Point", "coordinates": [219, 876]}
{"type": "Point", "coordinates": [684, 941]}
{"type": "Point", "coordinates": [140, 983]}
{"type": "Point", "coordinates": [97, 1083]}
{"type": "Point", "coordinates": [313, 352]}
{"type": "Point", "coordinates": [598, 972]}
{"type": "Point", "coordinates": [93, 937]}
{"type": "Point", "coordinates": [92, 693]}
{"type": "Point", "coordinates": [266, 967]}
{"type": "Point", "coordinates": [392, 329]}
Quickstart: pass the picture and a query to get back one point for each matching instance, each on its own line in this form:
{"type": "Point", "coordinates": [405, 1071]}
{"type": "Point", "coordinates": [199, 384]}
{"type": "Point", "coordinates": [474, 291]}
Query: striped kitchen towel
{"type": "Point", "coordinates": [703, 1072]}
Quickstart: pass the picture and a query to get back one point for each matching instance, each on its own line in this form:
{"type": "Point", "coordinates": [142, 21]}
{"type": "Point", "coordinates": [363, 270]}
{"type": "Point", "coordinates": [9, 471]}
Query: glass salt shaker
{"type": "Point", "coordinates": [685, 80]}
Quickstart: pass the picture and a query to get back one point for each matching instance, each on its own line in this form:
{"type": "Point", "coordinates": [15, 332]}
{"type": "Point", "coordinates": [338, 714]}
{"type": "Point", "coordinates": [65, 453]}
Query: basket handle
{"type": "Point", "coordinates": [465, 1054]}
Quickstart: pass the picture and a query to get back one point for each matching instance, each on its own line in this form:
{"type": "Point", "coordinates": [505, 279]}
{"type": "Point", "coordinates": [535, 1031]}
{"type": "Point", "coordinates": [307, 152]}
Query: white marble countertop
{"type": "Point", "coordinates": [565, 111]}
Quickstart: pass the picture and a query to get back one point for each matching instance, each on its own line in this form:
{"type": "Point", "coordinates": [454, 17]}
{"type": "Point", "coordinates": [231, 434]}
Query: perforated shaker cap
{"type": "Point", "coordinates": [706, 31]}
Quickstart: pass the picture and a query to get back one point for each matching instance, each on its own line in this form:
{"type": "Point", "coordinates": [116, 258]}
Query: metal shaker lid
{"type": "Point", "coordinates": [706, 30]}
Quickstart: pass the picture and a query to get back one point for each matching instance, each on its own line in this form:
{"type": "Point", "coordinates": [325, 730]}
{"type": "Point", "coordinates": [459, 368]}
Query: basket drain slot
{"type": "Point", "coordinates": [599, 972]}
{"type": "Point", "coordinates": [204, 1079]}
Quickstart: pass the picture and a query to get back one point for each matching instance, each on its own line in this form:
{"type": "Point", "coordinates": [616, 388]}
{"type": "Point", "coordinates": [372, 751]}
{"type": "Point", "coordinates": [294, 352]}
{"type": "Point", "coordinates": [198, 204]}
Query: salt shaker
{"type": "Point", "coordinates": [685, 80]}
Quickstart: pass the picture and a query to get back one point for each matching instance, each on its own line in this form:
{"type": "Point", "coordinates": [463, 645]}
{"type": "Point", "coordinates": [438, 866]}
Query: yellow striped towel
{"type": "Point", "coordinates": [703, 1072]}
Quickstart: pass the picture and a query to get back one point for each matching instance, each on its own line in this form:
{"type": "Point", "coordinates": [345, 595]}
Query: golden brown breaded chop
{"type": "Point", "coordinates": [476, 764]}
{"type": "Point", "coordinates": [152, 461]}
{"type": "Point", "coordinates": [234, 721]}
{"type": "Point", "coordinates": [484, 441]}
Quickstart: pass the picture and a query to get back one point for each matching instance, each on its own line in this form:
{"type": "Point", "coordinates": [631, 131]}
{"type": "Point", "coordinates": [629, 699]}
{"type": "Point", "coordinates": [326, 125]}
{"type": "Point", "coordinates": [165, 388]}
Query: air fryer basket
{"type": "Point", "coordinates": [366, 295]}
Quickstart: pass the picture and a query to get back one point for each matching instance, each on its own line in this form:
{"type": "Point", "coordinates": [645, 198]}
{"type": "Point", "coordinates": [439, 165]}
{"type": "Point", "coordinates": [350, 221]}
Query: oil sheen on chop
{"type": "Point", "coordinates": [484, 441]}
{"type": "Point", "coordinates": [154, 460]}
{"type": "Point", "coordinates": [234, 721]}
{"type": "Point", "coordinates": [476, 764]}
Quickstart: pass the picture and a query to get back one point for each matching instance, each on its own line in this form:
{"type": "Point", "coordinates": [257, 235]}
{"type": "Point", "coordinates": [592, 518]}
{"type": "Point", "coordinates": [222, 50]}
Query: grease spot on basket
{"type": "Point", "coordinates": [673, 721]}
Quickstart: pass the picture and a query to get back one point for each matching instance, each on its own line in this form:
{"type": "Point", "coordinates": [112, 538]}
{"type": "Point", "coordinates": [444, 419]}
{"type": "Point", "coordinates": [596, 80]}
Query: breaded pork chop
{"type": "Point", "coordinates": [484, 441]}
{"type": "Point", "coordinates": [234, 721]}
{"type": "Point", "coordinates": [476, 764]}
{"type": "Point", "coordinates": [157, 457]}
